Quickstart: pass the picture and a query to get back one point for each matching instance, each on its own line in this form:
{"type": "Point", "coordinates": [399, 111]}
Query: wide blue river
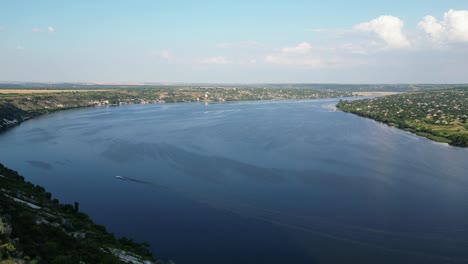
{"type": "Point", "coordinates": [253, 182]}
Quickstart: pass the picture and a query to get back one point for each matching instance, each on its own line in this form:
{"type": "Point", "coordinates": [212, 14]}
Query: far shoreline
{"type": "Point", "coordinates": [372, 93]}
{"type": "Point", "coordinates": [45, 91]}
{"type": "Point", "coordinates": [37, 112]}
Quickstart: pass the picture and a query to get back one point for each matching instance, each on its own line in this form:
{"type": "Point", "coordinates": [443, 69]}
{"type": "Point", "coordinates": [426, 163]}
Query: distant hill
{"type": "Point", "coordinates": [317, 86]}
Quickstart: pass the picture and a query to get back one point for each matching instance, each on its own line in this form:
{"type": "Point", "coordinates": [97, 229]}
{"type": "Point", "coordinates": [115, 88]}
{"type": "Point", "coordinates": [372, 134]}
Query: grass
{"type": "Point", "coordinates": [435, 138]}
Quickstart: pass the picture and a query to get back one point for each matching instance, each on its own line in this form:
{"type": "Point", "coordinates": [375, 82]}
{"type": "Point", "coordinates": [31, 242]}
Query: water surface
{"type": "Point", "coordinates": [253, 182]}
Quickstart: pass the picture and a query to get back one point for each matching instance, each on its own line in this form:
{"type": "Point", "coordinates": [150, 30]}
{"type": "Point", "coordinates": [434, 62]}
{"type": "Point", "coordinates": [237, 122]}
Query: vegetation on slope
{"type": "Point", "coordinates": [34, 228]}
{"type": "Point", "coordinates": [439, 115]}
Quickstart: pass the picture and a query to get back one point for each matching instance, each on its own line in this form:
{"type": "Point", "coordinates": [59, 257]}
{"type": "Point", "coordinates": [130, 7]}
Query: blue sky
{"type": "Point", "coordinates": [234, 41]}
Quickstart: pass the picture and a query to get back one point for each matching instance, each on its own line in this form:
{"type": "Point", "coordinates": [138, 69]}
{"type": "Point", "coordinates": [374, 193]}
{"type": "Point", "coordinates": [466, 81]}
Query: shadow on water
{"type": "Point", "coordinates": [40, 164]}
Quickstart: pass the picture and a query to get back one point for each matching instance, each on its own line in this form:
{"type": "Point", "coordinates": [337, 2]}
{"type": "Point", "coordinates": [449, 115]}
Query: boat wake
{"type": "Point", "coordinates": [123, 178]}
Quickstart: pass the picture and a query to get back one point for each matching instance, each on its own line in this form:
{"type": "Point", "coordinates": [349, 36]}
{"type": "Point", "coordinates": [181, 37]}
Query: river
{"type": "Point", "coordinates": [252, 182]}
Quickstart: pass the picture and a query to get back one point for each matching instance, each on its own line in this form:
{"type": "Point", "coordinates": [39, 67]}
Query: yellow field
{"type": "Point", "coordinates": [456, 127]}
{"type": "Point", "coordinates": [26, 91]}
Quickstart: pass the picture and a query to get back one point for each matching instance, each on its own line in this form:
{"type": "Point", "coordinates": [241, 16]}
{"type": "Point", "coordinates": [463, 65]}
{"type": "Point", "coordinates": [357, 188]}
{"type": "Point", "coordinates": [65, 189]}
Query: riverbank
{"type": "Point", "coordinates": [36, 228]}
{"type": "Point", "coordinates": [440, 115]}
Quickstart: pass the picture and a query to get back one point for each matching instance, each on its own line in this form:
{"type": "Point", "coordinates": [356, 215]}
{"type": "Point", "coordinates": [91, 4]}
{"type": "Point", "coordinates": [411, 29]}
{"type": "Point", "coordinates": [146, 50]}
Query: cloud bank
{"type": "Point", "coordinates": [388, 28]}
{"type": "Point", "coordinates": [216, 60]}
{"type": "Point", "coordinates": [300, 55]}
{"type": "Point", "coordinates": [453, 28]}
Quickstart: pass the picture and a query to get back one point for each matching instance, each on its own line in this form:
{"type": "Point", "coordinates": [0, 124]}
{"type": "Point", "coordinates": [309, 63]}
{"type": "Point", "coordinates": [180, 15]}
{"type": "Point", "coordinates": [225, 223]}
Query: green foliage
{"type": "Point", "coordinates": [7, 250]}
{"type": "Point", "coordinates": [440, 115]}
{"type": "Point", "coordinates": [459, 139]}
{"type": "Point", "coordinates": [55, 233]}
{"type": "Point", "coordinates": [433, 137]}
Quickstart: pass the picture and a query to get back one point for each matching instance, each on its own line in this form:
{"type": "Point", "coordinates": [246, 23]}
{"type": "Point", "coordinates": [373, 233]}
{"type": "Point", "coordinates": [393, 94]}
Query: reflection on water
{"type": "Point", "coordinates": [256, 182]}
{"type": "Point", "coordinates": [40, 164]}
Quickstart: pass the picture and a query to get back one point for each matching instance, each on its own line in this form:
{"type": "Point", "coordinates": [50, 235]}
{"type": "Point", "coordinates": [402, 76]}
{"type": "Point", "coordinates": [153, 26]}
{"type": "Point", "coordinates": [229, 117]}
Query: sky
{"type": "Point", "coordinates": [388, 41]}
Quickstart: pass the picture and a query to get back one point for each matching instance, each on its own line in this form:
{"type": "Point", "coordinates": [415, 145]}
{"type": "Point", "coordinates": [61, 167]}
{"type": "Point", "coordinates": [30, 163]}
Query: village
{"type": "Point", "coordinates": [439, 115]}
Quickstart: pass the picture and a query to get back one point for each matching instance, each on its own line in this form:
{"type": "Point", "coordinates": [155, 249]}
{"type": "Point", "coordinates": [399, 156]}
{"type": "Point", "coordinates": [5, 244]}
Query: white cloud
{"type": "Point", "coordinates": [285, 60]}
{"type": "Point", "coordinates": [164, 54]}
{"type": "Point", "coordinates": [355, 49]}
{"type": "Point", "coordinates": [456, 22]}
{"type": "Point", "coordinates": [216, 60]}
{"type": "Point", "coordinates": [388, 28]}
{"type": "Point", "coordinates": [220, 60]}
{"type": "Point", "coordinates": [300, 55]}
{"type": "Point", "coordinates": [19, 47]}
{"type": "Point", "coordinates": [301, 48]}
{"type": "Point", "coordinates": [453, 28]}
{"type": "Point", "coordinates": [431, 26]}
{"type": "Point", "coordinates": [49, 29]}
